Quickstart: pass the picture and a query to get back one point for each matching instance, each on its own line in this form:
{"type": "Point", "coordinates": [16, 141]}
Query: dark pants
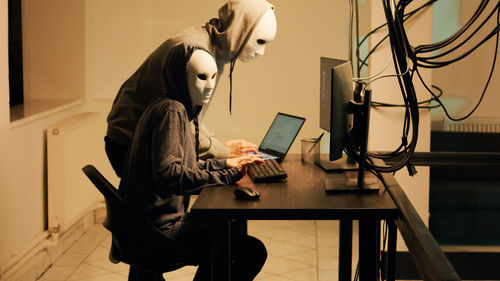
{"type": "Point", "coordinates": [117, 154]}
{"type": "Point", "coordinates": [193, 240]}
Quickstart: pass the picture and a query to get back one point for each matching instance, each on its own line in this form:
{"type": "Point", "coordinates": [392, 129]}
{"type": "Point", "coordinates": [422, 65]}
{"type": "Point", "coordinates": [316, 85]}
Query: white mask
{"type": "Point", "coordinates": [264, 32]}
{"type": "Point", "coordinates": [201, 77]}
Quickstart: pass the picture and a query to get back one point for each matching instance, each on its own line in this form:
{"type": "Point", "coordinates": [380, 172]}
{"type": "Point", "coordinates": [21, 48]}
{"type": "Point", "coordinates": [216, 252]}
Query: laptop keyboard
{"type": "Point", "coordinates": [269, 171]}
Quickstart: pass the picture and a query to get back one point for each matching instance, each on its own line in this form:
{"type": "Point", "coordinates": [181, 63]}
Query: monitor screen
{"type": "Point", "coordinates": [336, 90]}
{"type": "Point", "coordinates": [282, 133]}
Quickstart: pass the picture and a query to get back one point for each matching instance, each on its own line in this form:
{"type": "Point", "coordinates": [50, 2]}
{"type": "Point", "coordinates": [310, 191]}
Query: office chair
{"type": "Point", "coordinates": [134, 240]}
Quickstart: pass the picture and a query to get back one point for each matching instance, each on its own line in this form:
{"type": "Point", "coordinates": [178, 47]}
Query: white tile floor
{"type": "Point", "coordinates": [297, 251]}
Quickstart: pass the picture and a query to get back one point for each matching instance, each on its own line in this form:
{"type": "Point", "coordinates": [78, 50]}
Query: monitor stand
{"type": "Point", "coordinates": [343, 164]}
{"type": "Point", "coordinates": [348, 183]}
{"type": "Point", "coordinates": [342, 182]}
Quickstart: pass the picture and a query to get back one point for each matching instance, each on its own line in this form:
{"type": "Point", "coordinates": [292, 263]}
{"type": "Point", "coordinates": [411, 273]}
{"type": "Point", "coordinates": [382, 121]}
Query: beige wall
{"type": "Point", "coordinates": [466, 79]}
{"type": "Point", "coordinates": [120, 34]}
{"type": "Point", "coordinates": [286, 79]}
{"type": "Point", "coordinates": [22, 146]}
{"type": "Point", "coordinates": [54, 46]}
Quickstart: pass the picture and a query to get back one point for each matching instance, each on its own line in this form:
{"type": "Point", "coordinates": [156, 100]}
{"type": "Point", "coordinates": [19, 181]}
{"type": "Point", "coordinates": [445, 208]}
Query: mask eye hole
{"type": "Point", "coordinates": [261, 41]}
{"type": "Point", "coordinates": [213, 76]}
{"type": "Point", "coordinates": [202, 76]}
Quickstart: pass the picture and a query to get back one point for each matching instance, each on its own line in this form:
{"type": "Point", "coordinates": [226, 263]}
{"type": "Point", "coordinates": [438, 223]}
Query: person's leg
{"type": "Point", "coordinates": [202, 273]}
{"type": "Point", "coordinates": [137, 273]}
{"type": "Point", "coordinates": [117, 154]}
{"type": "Point", "coordinates": [194, 241]}
{"type": "Point", "coordinates": [249, 255]}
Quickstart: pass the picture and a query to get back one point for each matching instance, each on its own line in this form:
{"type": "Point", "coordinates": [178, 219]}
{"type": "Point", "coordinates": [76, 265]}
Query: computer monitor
{"type": "Point", "coordinates": [336, 91]}
{"type": "Point", "coordinates": [344, 112]}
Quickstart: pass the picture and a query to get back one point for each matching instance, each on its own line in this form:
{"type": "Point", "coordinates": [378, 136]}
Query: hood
{"type": "Point", "coordinates": [230, 32]}
{"type": "Point", "coordinates": [175, 76]}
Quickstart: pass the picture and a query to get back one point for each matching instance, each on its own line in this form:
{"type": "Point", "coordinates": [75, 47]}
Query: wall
{"type": "Point", "coordinates": [53, 53]}
{"type": "Point", "coordinates": [118, 37]}
{"type": "Point", "coordinates": [23, 180]}
{"type": "Point", "coordinates": [285, 79]}
{"type": "Point", "coordinates": [120, 34]}
{"type": "Point", "coordinates": [464, 81]}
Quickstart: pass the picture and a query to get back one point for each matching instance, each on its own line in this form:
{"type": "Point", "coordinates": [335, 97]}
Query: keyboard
{"type": "Point", "coordinates": [269, 171]}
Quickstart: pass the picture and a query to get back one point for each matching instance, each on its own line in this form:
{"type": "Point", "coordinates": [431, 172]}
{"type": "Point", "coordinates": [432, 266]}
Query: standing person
{"type": "Point", "coordinates": [242, 30]}
{"type": "Point", "coordinates": [162, 170]}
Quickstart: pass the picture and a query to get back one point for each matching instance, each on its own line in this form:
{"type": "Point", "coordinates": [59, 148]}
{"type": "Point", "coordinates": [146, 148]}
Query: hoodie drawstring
{"type": "Point", "coordinates": [197, 137]}
{"type": "Point", "coordinates": [231, 67]}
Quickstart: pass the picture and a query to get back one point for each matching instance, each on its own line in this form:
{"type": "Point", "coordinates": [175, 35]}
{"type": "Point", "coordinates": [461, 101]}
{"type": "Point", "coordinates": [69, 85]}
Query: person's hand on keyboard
{"type": "Point", "coordinates": [242, 162]}
{"type": "Point", "coordinates": [240, 147]}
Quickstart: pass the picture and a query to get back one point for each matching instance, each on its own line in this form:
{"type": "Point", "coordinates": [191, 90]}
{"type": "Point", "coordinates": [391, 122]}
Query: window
{"type": "Point", "coordinates": [15, 53]}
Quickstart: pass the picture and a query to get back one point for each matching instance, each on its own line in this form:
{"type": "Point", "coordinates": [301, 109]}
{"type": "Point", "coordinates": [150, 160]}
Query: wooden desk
{"type": "Point", "coordinates": [302, 197]}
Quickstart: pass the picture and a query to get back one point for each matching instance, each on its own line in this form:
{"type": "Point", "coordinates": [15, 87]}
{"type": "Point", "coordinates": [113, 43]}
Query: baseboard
{"type": "Point", "coordinates": [31, 265]}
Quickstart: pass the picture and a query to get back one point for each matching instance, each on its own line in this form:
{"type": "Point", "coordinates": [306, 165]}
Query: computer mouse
{"type": "Point", "coordinates": [246, 193]}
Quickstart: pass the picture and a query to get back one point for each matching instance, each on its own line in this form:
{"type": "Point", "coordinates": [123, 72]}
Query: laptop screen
{"type": "Point", "coordinates": [282, 133]}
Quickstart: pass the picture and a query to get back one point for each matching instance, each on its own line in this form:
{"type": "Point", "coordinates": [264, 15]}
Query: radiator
{"type": "Point", "coordinates": [473, 125]}
{"type": "Point", "coordinates": [72, 144]}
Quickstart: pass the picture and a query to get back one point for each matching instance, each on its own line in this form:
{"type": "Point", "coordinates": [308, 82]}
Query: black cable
{"type": "Point", "coordinates": [485, 87]}
{"type": "Point", "coordinates": [356, 273]}
{"type": "Point", "coordinates": [384, 241]}
{"type": "Point", "coordinates": [445, 63]}
{"type": "Point", "coordinates": [356, 9]}
{"type": "Point", "coordinates": [434, 46]}
{"type": "Point", "coordinates": [399, 48]}
{"type": "Point", "coordinates": [383, 104]}
{"type": "Point", "coordinates": [464, 41]}
{"type": "Point", "coordinates": [428, 61]}
{"type": "Point", "coordinates": [351, 15]}
{"type": "Point", "coordinates": [402, 51]}
{"type": "Point", "coordinates": [407, 16]}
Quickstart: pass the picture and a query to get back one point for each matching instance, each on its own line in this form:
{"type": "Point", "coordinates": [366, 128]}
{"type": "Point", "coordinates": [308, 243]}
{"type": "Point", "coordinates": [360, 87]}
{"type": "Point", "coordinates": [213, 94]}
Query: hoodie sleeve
{"type": "Point", "coordinates": [213, 164]}
{"type": "Point", "coordinates": [210, 147]}
{"type": "Point", "coordinates": [172, 142]}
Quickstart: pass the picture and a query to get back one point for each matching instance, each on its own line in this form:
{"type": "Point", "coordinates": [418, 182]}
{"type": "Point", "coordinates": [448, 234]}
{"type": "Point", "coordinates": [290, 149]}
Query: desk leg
{"type": "Point", "coordinates": [221, 252]}
{"type": "Point", "coordinates": [239, 226]}
{"type": "Point", "coordinates": [345, 250]}
{"type": "Point", "coordinates": [368, 254]}
{"type": "Point", "coordinates": [391, 250]}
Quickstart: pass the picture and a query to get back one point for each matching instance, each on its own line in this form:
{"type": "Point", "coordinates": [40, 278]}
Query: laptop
{"type": "Point", "coordinates": [280, 136]}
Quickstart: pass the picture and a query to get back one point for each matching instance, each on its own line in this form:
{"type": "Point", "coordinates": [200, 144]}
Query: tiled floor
{"type": "Point", "coordinates": [297, 251]}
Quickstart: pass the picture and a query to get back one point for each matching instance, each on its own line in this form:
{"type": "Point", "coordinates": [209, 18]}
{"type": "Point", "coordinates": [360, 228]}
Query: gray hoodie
{"type": "Point", "coordinates": [161, 170]}
{"type": "Point", "coordinates": [225, 37]}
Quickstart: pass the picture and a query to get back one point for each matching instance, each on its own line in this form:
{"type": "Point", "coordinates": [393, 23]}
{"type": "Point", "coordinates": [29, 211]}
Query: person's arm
{"type": "Point", "coordinates": [210, 147]}
{"type": "Point", "coordinates": [240, 162]}
{"type": "Point", "coordinates": [212, 164]}
{"type": "Point", "coordinates": [169, 139]}
{"type": "Point", "coordinates": [240, 147]}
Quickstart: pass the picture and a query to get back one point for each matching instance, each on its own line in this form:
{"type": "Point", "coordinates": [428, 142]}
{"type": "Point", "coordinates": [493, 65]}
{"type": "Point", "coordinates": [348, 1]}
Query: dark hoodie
{"type": "Point", "coordinates": [225, 37]}
{"type": "Point", "coordinates": [161, 171]}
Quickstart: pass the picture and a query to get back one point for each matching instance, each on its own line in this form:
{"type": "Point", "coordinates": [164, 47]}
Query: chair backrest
{"type": "Point", "coordinates": [120, 220]}
{"type": "Point", "coordinates": [103, 185]}
{"type": "Point", "coordinates": [134, 238]}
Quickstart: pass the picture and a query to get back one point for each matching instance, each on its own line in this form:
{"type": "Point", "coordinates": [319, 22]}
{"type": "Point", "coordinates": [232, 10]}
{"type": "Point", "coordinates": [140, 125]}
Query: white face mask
{"type": "Point", "coordinates": [201, 77]}
{"type": "Point", "coordinates": [264, 32]}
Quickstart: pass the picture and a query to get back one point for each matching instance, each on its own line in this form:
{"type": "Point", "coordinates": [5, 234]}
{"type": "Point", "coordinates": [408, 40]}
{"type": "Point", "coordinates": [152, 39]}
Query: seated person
{"type": "Point", "coordinates": [242, 30]}
{"type": "Point", "coordinates": [162, 170]}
